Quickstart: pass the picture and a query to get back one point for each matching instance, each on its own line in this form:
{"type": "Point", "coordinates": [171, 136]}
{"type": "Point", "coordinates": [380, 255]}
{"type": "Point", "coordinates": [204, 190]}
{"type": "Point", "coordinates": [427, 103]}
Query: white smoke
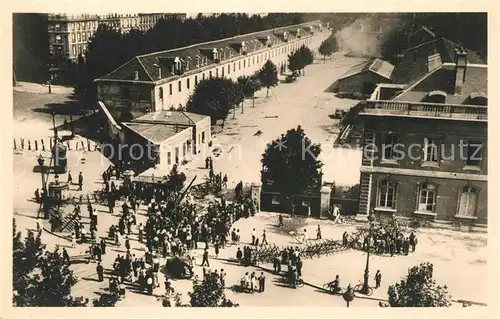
{"type": "Point", "coordinates": [365, 36]}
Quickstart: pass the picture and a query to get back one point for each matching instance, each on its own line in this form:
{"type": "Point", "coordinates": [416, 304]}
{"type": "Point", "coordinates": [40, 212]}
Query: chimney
{"type": "Point", "coordinates": [460, 70]}
{"type": "Point", "coordinates": [136, 76]}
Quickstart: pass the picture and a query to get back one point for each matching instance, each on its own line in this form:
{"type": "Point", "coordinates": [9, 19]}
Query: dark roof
{"type": "Point", "coordinates": [425, 29]}
{"type": "Point", "coordinates": [443, 79]}
{"type": "Point", "coordinates": [156, 133]}
{"type": "Point", "coordinates": [447, 49]}
{"type": "Point", "coordinates": [377, 66]}
{"type": "Point", "coordinates": [148, 72]}
{"type": "Point", "coordinates": [171, 117]}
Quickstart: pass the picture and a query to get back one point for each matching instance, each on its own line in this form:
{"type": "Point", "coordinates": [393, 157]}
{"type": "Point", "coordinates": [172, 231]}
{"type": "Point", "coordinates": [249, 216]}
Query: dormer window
{"type": "Point", "coordinates": [298, 33]}
{"type": "Point", "coordinates": [197, 61]}
{"type": "Point", "coordinates": [243, 49]}
{"type": "Point", "coordinates": [285, 36]}
{"type": "Point", "coordinates": [230, 54]}
{"type": "Point", "coordinates": [215, 55]}
{"type": "Point", "coordinates": [205, 60]}
{"type": "Point", "coordinates": [177, 64]}
{"type": "Point", "coordinates": [436, 97]}
{"type": "Point", "coordinates": [478, 98]}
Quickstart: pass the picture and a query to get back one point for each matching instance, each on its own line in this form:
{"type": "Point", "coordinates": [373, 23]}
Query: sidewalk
{"type": "Point", "coordinates": [31, 87]}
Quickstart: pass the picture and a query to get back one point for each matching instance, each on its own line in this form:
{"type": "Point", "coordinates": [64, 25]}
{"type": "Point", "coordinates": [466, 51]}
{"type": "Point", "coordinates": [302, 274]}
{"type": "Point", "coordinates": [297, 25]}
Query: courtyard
{"type": "Point", "coordinates": [459, 259]}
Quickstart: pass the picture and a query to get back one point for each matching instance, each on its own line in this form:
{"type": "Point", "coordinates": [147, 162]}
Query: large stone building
{"type": "Point", "coordinates": [69, 34]}
{"type": "Point", "coordinates": [424, 150]}
{"type": "Point", "coordinates": [164, 80]}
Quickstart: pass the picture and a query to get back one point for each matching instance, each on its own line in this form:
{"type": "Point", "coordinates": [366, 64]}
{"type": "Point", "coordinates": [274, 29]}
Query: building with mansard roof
{"type": "Point", "coordinates": [164, 80]}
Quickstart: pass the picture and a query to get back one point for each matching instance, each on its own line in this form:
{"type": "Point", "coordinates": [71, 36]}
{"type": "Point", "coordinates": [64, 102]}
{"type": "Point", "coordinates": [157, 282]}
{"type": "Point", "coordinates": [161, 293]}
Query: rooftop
{"type": "Point", "coordinates": [155, 133]}
{"type": "Point", "coordinates": [147, 65]}
{"type": "Point", "coordinates": [377, 66]}
{"type": "Point", "coordinates": [170, 117]}
{"type": "Point", "coordinates": [443, 79]}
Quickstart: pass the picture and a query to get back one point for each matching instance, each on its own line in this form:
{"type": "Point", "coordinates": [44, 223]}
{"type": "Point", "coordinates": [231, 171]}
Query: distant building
{"type": "Point", "coordinates": [69, 34]}
{"type": "Point", "coordinates": [164, 80]}
{"type": "Point", "coordinates": [426, 148]}
{"type": "Point", "coordinates": [360, 80]}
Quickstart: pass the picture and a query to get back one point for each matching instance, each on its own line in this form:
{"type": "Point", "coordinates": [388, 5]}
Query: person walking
{"type": "Point", "coordinates": [378, 279]}
{"type": "Point", "coordinates": [65, 256]}
{"type": "Point", "coordinates": [100, 272]}
{"type": "Point", "coordinates": [205, 258]}
{"type": "Point", "coordinates": [80, 181]}
{"type": "Point", "coordinates": [262, 282]}
{"type": "Point", "coordinates": [217, 249]}
{"type": "Point", "coordinates": [253, 237]}
{"type": "Point", "coordinates": [318, 233]}
{"type": "Point", "coordinates": [222, 278]}
{"type": "Point", "coordinates": [264, 238]}
{"type": "Point", "coordinates": [280, 221]}
{"type": "Point", "coordinates": [73, 239]}
{"type": "Point", "coordinates": [70, 178]}
{"type": "Point", "coordinates": [239, 255]}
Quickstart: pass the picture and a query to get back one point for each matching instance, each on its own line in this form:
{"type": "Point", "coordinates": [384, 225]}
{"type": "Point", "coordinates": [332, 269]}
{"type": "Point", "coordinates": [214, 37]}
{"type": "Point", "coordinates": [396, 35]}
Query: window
{"type": "Point", "coordinates": [179, 84]}
{"type": "Point", "coordinates": [202, 137]}
{"type": "Point", "coordinates": [222, 69]}
{"type": "Point", "coordinates": [239, 65]}
{"type": "Point", "coordinates": [58, 27]}
{"type": "Point", "coordinates": [228, 69]}
{"type": "Point", "coordinates": [474, 153]}
{"type": "Point", "coordinates": [195, 80]}
{"type": "Point", "coordinates": [210, 74]}
{"type": "Point", "coordinates": [203, 76]}
{"type": "Point", "coordinates": [160, 93]}
{"type": "Point", "coordinates": [387, 194]}
{"type": "Point", "coordinates": [170, 88]}
{"type": "Point", "coordinates": [169, 158]}
{"type": "Point", "coordinates": [73, 47]}
{"type": "Point", "coordinates": [58, 39]}
{"type": "Point", "coordinates": [244, 63]}
{"type": "Point", "coordinates": [234, 67]}
{"type": "Point", "coordinates": [275, 200]}
{"type": "Point", "coordinates": [216, 72]}
{"type": "Point", "coordinates": [426, 198]}
{"type": "Point", "coordinates": [188, 84]}
{"type": "Point", "coordinates": [431, 150]}
{"type": "Point", "coordinates": [467, 202]}
{"type": "Point", "coordinates": [73, 37]}
{"type": "Point", "coordinates": [389, 144]}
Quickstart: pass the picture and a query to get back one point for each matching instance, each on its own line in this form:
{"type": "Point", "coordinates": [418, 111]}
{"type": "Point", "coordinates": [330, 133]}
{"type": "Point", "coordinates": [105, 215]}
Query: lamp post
{"type": "Point", "coordinates": [348, 295]}
{"type": "Point", "coordinates": [41, 161]}
{"type": "Point", "coordinates": [365, 288]}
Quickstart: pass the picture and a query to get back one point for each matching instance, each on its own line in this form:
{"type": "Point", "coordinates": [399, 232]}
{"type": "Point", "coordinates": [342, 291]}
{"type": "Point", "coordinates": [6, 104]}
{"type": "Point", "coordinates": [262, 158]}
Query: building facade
{"type": "Point", "coordinates": [361, 80]}
{"type": "Point", "coordinates": [165, 80]}
{"type": "Point", "coordinates": [69, 34]}
{"type": "Point", "coordinates": [425, 150]}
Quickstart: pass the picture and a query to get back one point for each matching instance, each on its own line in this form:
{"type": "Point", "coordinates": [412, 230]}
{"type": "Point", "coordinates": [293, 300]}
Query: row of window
{"type": "Point", "coordinates": [426, 198]}
{"type": "Point", "coordinates": [78, 49]}
{"type": "Point", "coordinates": [432, 150]}
{"type": "Point", "coordinates": [81, 36]}
{"type": "Point", "coordinates": [247, 62]}
{"type": "Point", "coordinates": [185, 147]}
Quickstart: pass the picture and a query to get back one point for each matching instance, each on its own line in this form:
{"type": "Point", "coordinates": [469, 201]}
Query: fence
{"type": "Point", "coordinates": [21, 144]}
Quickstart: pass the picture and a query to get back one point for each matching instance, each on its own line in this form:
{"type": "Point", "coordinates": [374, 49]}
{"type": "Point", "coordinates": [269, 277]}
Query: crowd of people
{"type": "Point", "coordinates": [390, 240]}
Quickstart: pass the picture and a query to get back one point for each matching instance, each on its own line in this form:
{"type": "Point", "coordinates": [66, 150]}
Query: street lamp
{"type": "Point", "coordinates": [365, 289]}
{"type": "Point", "coordinates": [41, 161]}
{"type": "Point", "coordinates": [348, 295]}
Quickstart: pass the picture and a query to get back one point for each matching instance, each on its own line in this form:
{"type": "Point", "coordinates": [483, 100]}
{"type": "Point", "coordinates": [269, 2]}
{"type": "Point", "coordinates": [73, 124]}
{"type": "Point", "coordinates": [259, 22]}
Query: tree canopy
{"type": "Point", "coordinates": [291, 163]}
{"type": "Point", "coordinates": [419, 289]}
{"type": "Point", "coordinates": [209, 292]}
{"type": "Point", "coordinates": [214, 97]}
{"type": "Point", "coordinates": [268, 75]}
{"type": "Point", "coordinates": [299, 59]}
{"type": "Point", "coordinates": [249, 85]}
{"type": "Point", "coordinates": [41, 278]}
{"type": "Point", "coordinates": [328, 47]}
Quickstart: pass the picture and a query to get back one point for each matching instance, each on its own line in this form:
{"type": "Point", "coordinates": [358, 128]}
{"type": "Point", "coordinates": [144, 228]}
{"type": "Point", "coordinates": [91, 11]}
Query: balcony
{"type": "Point", "coordinates": [428, 110]}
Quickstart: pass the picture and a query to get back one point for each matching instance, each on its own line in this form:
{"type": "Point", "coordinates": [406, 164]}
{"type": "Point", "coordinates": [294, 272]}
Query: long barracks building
{"type": "Point", "coordinates": [164, 80]}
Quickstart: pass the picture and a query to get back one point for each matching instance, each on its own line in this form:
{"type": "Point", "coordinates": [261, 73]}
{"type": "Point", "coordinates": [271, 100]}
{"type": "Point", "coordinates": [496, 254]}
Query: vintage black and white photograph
{"type": "Point", "coordinates": [279, 159]}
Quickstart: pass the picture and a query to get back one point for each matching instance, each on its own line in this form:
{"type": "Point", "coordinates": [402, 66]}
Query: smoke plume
{"type": "Point", "coordinates": [365, 36]}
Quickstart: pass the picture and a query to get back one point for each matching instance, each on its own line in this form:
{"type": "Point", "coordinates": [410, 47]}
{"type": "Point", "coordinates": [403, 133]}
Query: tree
{"type": "Point", "coordinates": [294, 63]}
{"type": "Point", "coordinates": [248, 86]}
{"type": "Point", "coordinates": [41, 278]}
{"type": "Point", "coordinates": [419, 289]}
{"type": "Point", "coordinates": [328, 47]}
{"type": "Point", "coordinates": [306, 57]}
{"type": "Point", "coordinates": [214, 97]}
{"type": "Point", "coordinates": [176, 180]}
{"type": "Point", "coordinates": [291, 162]}
{"type": "Point", "coordinates": [209, 293]}
{"type": "Point", "coordinates": [268, 76]}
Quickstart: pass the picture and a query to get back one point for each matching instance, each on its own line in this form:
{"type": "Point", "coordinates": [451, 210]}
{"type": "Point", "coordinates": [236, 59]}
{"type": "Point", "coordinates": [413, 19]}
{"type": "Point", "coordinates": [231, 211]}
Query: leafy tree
{"type": "Point", "coordinates": [294, 63]}
{"type": "Point", "coordinates": [419, 289]}
{"type": "Point", "coordinates": [328, 47]}
{"type": "Point", "coordinates": [248, 86]}
{"type": "Point", "coordinates": [291, 162]}
{"type": "Point", "coordinates": [40, 277]}
{"type": "Point", "coordinates": [176, 180]}
{"type": "Point", "coordinates": [268, 75]}
{"type": "Point", "coordinates": [209, 293]}
{"type": "Point", "coordinates": [214, 97]}
{"type": "Point", "coordinates": [306, 57]}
